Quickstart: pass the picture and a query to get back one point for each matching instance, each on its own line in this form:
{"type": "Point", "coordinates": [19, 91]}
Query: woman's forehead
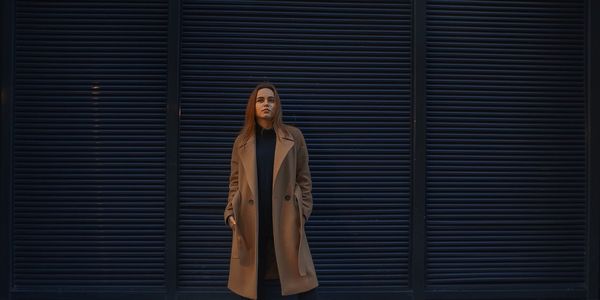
{"type": "Point", "coordinates": [265, 92]}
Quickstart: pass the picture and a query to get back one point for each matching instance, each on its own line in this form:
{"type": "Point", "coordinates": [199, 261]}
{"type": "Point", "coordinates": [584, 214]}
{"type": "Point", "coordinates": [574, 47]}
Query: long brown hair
{"type": "Point", "coordinates": [250, 122]}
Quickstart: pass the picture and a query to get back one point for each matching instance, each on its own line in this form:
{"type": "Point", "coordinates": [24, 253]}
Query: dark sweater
{"type": "Point", "coordinates": [265, 154]}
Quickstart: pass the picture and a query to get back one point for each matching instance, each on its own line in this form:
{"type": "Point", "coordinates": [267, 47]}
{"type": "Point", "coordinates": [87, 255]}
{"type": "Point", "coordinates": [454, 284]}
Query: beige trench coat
{"type": "Point", "coordinates": [292, 206]}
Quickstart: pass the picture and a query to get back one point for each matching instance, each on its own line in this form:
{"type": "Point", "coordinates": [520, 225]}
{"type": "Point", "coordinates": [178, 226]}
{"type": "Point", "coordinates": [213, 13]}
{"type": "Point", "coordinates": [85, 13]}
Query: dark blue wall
{"type": "Point", "coordinates": [450, 144]}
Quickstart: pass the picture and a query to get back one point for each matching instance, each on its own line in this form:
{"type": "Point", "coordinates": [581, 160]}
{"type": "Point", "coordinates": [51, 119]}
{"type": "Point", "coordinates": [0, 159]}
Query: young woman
{"type": "Point", "coordinates": [269, 202]}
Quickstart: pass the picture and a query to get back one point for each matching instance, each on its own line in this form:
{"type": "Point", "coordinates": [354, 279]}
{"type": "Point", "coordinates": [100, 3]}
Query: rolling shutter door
{"type": "Point", "coordinates": [344, 75]}
{"type": "Point", "coordinates": [505, 144]}
{"type": "Point", "coordinates": [89, 144]}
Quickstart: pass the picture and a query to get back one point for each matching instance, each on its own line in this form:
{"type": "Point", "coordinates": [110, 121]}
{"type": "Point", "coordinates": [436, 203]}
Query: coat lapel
{"type": "Point", "coordinates": [283, 144]}
{"type": "Point", "coordinates": [249, 162]}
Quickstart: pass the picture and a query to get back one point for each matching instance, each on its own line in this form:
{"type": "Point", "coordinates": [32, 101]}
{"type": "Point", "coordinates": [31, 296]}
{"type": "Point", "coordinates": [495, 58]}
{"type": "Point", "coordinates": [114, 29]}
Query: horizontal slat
{"type": "Point", "coordinates": [505, 143]}
{"type": "Point", "coordinates": [89, 144]}
{"type": "Point", "coordinates": [344, 75]}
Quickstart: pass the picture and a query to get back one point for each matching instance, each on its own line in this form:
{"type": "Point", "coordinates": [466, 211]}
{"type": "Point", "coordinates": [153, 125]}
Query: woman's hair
{"type": "Point", "coordinates": [250, 122]}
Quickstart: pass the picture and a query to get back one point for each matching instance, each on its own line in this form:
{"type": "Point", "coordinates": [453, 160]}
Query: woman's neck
{"type": "Point", "coordinates": [264, 123]}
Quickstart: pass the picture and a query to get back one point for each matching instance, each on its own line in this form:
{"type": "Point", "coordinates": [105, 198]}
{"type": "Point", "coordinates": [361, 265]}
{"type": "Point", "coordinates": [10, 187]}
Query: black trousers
{"type": "Point", "coordinates": [270, 289]}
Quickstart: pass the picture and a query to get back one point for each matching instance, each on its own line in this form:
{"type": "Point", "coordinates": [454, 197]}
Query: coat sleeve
{"type": "Point", "coordinates": [303, 177]}
{"type": "Point", "coordinates": [233, 182]}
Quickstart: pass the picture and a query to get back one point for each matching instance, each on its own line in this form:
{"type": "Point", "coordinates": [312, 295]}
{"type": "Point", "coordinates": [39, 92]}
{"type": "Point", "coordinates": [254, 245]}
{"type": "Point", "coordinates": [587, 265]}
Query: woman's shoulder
{"type": "Point", "coordinates": [293, 130]}
{"type": "Point", "coordinates": [296, 134]}
{"type": "Point", "coordinates": [237, 140]}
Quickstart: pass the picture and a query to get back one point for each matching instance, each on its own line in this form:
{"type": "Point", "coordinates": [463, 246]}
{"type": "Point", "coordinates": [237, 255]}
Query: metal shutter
{"type": "Point", "coordinates": [344, 75]}
{"type": "Point", "coordinates": [89, 144]}
{"type": "Point", "coordinates": [505, 144]}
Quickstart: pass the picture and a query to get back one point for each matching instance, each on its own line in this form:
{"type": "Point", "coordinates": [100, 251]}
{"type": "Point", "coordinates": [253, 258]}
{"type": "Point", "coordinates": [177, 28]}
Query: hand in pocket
{"type": "Point", "coordinates": [231, 222]}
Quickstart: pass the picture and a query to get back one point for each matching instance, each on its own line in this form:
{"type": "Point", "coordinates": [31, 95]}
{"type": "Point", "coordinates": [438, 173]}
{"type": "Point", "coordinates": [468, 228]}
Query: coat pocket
{"type": "Point", "coordinates": [235, 241]}
{"type": "Point", "coordinates": [298, 196]}
{"type": "Point", "coordinates": [301, 244]}
{"type": "Point", "coordinates": [235, 203]}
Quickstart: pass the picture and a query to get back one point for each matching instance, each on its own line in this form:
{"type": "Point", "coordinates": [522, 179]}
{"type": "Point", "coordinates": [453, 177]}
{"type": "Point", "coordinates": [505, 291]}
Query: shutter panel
{"type": "Point", "coordinates": [505, 143]}
{"type": "Point", "coordinates": [89, 144]}
{"type": "Point", "coordinates": [344, 75]}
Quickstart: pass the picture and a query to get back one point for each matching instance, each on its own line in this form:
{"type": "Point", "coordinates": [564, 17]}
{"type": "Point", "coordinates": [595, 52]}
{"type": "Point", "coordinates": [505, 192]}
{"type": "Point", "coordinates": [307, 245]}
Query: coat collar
{"type": "Point", "coordinates": [283, 144]}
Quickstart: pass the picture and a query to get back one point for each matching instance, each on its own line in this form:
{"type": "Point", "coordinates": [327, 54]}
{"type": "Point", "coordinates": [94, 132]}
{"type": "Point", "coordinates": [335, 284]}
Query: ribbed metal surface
{"type": "Point", "coordinates": [505, 142]}
{"type": "Point", "coordinates": [89, 144]}
{"type": "Point", "coordinates": [343, 70]}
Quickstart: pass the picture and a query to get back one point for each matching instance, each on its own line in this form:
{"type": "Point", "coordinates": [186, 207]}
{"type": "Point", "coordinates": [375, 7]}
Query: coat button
{"type": "Point", "coordinates": [251, 201]}
{"type": "Point", "coordinates": [287, 197]}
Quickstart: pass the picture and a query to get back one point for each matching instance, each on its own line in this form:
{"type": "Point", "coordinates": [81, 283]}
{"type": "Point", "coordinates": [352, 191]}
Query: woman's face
{"type": "Point", "coordinates": [265, 104]}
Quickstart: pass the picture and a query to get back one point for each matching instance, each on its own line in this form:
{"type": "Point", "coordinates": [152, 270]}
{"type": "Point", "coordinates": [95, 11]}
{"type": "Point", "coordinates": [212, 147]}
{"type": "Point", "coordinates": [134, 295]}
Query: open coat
{"type": "Point", "coordinates": [292, 206]}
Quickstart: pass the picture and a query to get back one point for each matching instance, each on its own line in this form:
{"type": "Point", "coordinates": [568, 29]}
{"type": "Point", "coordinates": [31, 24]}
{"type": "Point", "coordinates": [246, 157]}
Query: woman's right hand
{"type": "Point", "coordinates": [231, 222]}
